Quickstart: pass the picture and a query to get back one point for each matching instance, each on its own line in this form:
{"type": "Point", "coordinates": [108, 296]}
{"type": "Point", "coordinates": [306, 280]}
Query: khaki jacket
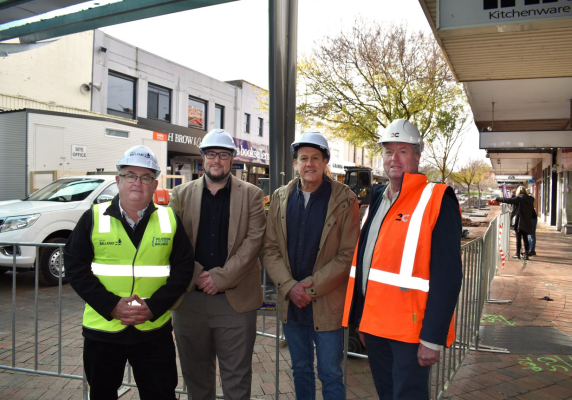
{"type": "Point", "coordinates": [240, 277]}
{"type": "Point", "coordinates": [331, 271]}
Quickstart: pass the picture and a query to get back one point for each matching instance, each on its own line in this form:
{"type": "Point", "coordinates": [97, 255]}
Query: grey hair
{"type": "Point", "coordinates": [417, 148]}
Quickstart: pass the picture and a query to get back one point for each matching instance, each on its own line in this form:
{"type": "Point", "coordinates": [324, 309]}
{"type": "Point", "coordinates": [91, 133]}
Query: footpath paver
{"type": "Point", "coordinates": [527, 375]}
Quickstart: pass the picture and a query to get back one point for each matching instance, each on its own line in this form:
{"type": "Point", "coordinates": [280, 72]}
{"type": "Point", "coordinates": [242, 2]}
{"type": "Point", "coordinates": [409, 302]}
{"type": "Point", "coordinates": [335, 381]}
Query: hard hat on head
{"type": "Point", "coordinates": [140, 156]}
{"type": "Point", "coordinates": [217, 138]}
{"type": "Point", "coordinates": [311, 139]}
{"type": "Point", "coordinates": [401, 131]}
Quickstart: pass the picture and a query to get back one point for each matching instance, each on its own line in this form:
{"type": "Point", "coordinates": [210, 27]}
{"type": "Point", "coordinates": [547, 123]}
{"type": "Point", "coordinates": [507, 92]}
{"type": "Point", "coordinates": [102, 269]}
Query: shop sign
{"type": "Point", "coordinates": [249, 152]}
{"type": "Point", "coordinates": [458, 14]}
{"type": "Point", "coordinates": [162, 137]}
{"type": "Point", "coordinates": [79, 152]}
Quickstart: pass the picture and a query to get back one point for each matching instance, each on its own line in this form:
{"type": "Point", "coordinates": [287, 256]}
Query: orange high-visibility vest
{"type": "Point", "coordinates": [398, 281]}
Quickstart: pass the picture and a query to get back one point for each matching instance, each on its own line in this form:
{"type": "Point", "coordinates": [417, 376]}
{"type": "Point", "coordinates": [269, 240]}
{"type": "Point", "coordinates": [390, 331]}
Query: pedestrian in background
{"type": "Point", "coordinates": [532, 236]}
{"type": "Point", "coordinates": [224, 218]}
{"type": "Point", "coordinates": [523, 219]}
{"type": "Point", "coordinates": [130, 260]}
{"type": "Point", "coordinates": [407, 270]}
{"type": "Point", "coordinates": [313, 226]}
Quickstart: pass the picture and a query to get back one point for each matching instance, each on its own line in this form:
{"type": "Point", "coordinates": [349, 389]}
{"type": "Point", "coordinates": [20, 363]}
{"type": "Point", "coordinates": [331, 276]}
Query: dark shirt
{"type": "Point", "coordinates": [304, 227]}
{"type": "Point", "coordinates": [78, 254]}
{"type": "Point", "coordinates": [212, 239]}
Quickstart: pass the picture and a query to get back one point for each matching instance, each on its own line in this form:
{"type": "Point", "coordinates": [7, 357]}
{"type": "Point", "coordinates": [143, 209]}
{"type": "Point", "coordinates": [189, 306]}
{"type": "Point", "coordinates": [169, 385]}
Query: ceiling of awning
{"type": "Point", "coordinates": [96, 14]}
{"type": "Point", "coordinates": [518, 77]}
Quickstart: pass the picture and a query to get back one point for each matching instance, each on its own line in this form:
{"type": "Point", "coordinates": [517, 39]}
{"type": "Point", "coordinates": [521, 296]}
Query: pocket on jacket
{"type": "Point", "coordinates": [336, 300]}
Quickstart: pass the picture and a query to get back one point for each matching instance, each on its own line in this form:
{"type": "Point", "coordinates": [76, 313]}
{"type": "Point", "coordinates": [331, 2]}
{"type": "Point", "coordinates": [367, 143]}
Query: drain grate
{"type": "Point", "coordinates": [527, 339]}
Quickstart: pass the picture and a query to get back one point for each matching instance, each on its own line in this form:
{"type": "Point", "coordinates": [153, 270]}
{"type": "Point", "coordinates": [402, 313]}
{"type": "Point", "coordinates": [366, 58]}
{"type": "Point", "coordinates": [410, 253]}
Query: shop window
{"type": "Point", "coordinates": [260, 127]}
{"type": "Point", "coordinates": [159, 103]}
{"type": "Point", "coordinates": [116, 133]}
{"type": "Point", "coordinates": [121, 95]}
{"type": "Point", "coordinates": [247, 123]}
{"type": "Point", "coordinates": [197, 113]}
{"type": "Point", "coordinates": [219, 117]}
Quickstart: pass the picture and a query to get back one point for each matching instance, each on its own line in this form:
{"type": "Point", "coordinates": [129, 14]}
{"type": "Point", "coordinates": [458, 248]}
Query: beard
{"type": "Point", "coordinates": [217, 178]}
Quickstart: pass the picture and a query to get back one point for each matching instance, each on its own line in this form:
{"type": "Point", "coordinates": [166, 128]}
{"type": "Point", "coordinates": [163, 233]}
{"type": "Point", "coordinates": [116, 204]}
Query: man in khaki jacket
{"type": "Point", "coordinates": [313, 226]}
{"type": "Point", "coordinates": [224, 219]}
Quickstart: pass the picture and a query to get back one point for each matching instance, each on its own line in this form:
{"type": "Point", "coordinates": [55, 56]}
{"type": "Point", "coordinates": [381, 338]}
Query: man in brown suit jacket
{"type": "Point", "coordinates": [225, 221]}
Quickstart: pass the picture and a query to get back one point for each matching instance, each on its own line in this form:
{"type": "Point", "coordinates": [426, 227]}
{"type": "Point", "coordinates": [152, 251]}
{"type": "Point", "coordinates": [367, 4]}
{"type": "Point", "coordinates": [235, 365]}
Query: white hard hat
{"type": "Point", "coordinates": [311, 139]}
{"type": "Point", "coordinates": [140, 156]}
{"type": "Point", "coordinates": [402, 131]}
{"type": "Point", "coordinates": [218, 138]}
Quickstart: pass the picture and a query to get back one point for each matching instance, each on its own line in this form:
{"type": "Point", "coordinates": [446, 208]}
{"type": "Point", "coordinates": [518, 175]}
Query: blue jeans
{"type": "Point", "coordinates": [329, 351]}
{"type": "Point", "coordinates": [532, 236]}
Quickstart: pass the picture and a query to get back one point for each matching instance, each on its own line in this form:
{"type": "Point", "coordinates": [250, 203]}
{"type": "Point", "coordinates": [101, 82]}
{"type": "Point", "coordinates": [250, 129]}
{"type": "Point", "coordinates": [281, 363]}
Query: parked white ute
{"type": "Point", "coordinates": [48, 216]}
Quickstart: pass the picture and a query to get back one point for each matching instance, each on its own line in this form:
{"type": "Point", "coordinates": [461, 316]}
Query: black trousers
{"type": "Point", "coordinates": [524, 236]}
{"type": "Point", "coordinates": [395, 369]}
{"type": "Point", "coordinates": [153, 362]}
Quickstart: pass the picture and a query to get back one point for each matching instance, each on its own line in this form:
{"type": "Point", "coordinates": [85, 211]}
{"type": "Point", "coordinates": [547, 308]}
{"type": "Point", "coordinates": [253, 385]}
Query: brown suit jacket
{"type": "Point", "coordinates": [239, 278]}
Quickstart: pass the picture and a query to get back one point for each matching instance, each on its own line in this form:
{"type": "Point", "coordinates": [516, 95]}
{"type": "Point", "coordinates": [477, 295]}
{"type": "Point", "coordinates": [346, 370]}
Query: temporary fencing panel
{"type": "Point", "coordinates": [481, 259]}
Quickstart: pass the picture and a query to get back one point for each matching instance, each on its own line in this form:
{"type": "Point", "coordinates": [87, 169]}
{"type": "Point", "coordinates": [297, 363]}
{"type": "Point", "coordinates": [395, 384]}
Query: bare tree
{"type": "Point", "coordinates": [470, 174]}
{"type": "Point", "coordinates": [442, 150]}
{"type": "Point", "coordinates": [361, 80]}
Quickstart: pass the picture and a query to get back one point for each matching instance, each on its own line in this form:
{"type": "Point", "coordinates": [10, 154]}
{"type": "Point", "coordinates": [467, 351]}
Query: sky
{"type": "Point", "coordinates": [230, 41]}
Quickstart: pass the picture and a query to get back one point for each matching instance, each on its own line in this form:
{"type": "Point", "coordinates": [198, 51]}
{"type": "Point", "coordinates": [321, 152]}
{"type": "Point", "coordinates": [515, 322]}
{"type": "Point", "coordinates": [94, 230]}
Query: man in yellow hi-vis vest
{"type": "Point", "coordinates": [406, 274]}
{"type": "Point", "coordinates": [130, 260]}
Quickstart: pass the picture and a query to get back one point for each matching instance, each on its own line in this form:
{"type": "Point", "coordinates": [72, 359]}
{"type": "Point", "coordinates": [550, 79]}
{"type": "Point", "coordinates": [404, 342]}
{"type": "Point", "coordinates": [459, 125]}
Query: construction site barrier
{"type": "Point", "coordinates": [481, 259]}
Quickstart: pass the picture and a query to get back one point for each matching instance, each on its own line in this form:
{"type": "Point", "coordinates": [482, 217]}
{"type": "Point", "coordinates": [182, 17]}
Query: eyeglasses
{"type": "Point", "coordinates": [223, 155]}
{"type": "Point", "coordinates": [132, 178]}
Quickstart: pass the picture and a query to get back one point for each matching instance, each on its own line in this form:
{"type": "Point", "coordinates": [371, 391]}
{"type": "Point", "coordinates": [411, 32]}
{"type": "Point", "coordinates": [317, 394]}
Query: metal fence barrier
{"type": "Point", "coordinates": [481, 259]}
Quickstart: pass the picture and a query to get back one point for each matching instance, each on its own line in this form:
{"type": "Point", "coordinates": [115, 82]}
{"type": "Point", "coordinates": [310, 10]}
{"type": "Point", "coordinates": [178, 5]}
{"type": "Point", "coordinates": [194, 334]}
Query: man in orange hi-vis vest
{"type": "Point", "coordinates": [407, 272]}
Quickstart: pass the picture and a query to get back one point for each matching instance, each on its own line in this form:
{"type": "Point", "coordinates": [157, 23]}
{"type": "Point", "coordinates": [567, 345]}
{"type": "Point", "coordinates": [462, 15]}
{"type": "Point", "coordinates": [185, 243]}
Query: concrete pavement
{"type": "Point", "coordinates": [536, 327]}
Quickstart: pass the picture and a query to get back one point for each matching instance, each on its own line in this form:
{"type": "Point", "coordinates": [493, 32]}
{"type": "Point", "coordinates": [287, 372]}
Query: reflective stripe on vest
{"type": "Point", "coordinates": [142, 271]}
{"type": "Point", "coordinates": [398, 281]}
{"type": "Point", "coordinates": [405, 278]}
{"type": "Point", "coordinates": [125, 270]}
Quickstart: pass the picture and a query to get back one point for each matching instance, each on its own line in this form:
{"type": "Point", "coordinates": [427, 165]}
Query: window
{"type": "Point", "coordinates": [121, 95]}
{"type": "Point", "coordinates": [116, 133]}
{"type": "Point", "coordinates": [219, 117]}
{"type": "Point", "coordinates": [159, 103]}
{"type": "Point", "coordinates": [197, 114]}
{"type": "Point", "coordinates": [260, 127]}
{"type": "Point", "coordinates": [247, 123]}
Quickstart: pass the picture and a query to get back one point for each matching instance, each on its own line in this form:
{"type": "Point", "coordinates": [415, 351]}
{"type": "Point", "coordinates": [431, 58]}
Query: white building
{"type": "Point", "coordinates": [77, 104]}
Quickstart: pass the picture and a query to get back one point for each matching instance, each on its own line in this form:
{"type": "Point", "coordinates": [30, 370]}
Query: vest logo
{"type": "Point", "coordinates": [157, 241]}
{"type": "Point", "coordinates": [110, 242]}
{"type": "Point", "coordinates": [403, 217]}
{"type": "Point", "coordinates": [394, 134]}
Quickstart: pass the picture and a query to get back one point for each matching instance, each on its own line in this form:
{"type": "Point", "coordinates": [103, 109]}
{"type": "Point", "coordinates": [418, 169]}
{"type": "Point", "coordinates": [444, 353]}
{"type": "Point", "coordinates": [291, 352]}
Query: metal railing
{"type": "Point", "coordinates": [481, 258]}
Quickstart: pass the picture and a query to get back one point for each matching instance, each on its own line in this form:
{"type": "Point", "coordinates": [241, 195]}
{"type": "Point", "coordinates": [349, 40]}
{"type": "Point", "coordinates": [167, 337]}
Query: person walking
{"type": "Point", "coordinates": [407, 271]}
{"type": "Point", "coordinates": [532, 235]}
{"type": "Point", "coordinates": [130, 260]}
{"type": "Point", "coordinates": [224, 218]}
{"type": "Point", "coordinates": [313, 225]}
{"type": "Point", "coordinates": [524, 206]}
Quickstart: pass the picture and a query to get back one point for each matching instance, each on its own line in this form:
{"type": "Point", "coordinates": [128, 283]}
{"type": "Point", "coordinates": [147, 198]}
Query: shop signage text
{"type": "Point", "coordinates": [178, 138]}
{"type": "Point", "coordinates": [79, 152]}
{"type": "Point", "coordinates": [458, 14]}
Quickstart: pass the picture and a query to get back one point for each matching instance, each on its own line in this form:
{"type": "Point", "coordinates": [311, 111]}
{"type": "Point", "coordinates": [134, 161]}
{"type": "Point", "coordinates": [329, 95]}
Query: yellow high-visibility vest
{"type": "Point", "coordinates": [126, 270]}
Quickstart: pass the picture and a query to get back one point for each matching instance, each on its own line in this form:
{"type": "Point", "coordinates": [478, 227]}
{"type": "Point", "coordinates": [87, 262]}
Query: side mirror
{"type": "Point", "coordinates": [104, 198]}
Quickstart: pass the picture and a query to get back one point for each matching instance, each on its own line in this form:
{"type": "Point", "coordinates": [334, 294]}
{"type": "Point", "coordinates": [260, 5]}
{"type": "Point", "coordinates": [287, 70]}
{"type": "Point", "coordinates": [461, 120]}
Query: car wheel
{"type": "Point", "coordinates": [354, 346]}
{"type": "Point", "coordinates": [50, 263]}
